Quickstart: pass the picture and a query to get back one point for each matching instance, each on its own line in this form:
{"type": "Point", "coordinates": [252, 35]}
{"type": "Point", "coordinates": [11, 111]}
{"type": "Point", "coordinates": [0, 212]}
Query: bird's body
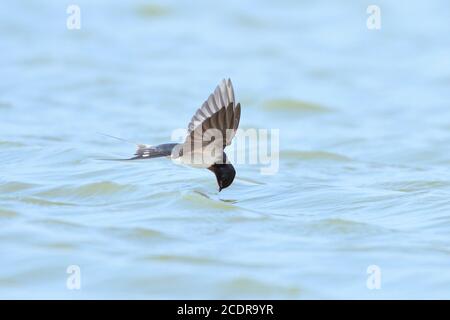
{"type": "Point", "coordinates": [210, 130]}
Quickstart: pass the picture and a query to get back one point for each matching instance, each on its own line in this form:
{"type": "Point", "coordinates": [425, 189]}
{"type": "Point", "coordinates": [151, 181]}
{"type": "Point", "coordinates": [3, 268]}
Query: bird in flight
{"type": "Point", "coordinates": [210, 130]}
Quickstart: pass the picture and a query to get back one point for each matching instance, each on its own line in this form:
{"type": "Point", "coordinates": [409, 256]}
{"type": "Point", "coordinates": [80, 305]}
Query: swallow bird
{"type": "Point", "coordinates": [210, 130]}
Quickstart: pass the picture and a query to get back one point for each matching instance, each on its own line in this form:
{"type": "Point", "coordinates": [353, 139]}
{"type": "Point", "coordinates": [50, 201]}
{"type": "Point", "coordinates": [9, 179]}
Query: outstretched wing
{"type": "Point", "coordinates": [220, 112]}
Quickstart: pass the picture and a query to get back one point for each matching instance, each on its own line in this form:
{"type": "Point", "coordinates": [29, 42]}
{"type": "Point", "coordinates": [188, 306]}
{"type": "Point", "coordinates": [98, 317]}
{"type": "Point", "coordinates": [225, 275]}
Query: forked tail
{"type": "Point", "coordinates": [145, 151]}
{"type": "Point", "coordinates": [148, 152]}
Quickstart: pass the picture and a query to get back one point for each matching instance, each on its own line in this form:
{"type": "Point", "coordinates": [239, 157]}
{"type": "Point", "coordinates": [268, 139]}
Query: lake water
{"type": "Point", "coordinates": [363, 180]}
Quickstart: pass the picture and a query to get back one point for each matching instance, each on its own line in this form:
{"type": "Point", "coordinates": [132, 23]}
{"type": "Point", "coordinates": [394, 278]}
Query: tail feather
{"type": "Point", "coordinates": [145, 151]}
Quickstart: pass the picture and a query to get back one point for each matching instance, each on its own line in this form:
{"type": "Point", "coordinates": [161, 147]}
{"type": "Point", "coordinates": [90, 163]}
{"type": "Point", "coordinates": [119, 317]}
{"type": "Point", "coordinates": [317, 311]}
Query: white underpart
{"type": "Point", "coordinates": [197, 159]}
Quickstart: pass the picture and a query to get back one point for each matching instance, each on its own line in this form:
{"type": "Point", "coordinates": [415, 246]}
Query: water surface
{"type": "Point", "coordinates": [364, 123]}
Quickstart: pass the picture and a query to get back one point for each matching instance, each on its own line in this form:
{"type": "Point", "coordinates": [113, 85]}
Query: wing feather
{"type": "Point", "coordinates": [219, 111]}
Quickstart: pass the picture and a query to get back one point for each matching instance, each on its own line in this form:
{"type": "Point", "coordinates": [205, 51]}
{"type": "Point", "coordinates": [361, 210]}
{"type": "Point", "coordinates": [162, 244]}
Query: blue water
{"type": "Point", "coordinates": [364, 123]}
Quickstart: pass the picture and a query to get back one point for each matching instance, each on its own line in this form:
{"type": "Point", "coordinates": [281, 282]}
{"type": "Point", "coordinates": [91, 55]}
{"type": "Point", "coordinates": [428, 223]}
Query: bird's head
{"type": "Point", "coordinates": [225, 174]}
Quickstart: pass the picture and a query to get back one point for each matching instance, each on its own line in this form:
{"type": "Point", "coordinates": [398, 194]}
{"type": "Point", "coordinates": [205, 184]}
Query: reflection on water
{"type": "Point", "coordinates": [364, 128]}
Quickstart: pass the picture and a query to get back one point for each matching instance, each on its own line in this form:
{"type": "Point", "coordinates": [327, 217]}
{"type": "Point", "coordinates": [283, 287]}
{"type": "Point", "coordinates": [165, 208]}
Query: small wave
{"type": "Point", "coordinates": [43, 202]}
{"type": "Point", "coordinates": [313, 155]}
{"type": "Point", "coordinates": [152, 10]}
{"type": "Point", "coordinates": [415, 185]}
{"type": "Point", "coordinates": [37, 60]}
{"type": "Point", "coordinates": [104, 188]}
{"type": "Point", "coordinates": [343, 226]}
{"type": "Point", "coordinates": [10, 144]}
{"type": "Point", "coordinates": [204, 201]}
{"type": "Point", "coordinates": [248, 286]}
{"type": "Point", "coordinates": [247, 216]}
{"type": "Point", "coordinates": [15, 186]}
{"type": "Point", "coordinates": [5, 105]}
{"type": "Point", "coordinates": [183, 259]}
{"type": "Point", "coordinates": [139, 233]}
{"type": "Point", "coordinates": [8, 213]}
{"type": "Point", "coordinates": [250, 21]}
{"type": "Point", "coordinates": [63, 246]}
{"type": "Point", "coordinates": [248, 181]}
{"type": "Point", "coordinates": [295, 105]}
{"type": "Point", "coordinates": [58, 223]}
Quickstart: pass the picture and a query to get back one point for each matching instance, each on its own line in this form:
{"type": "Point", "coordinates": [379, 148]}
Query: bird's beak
{"type": "Point", "coordinates": [220, 188]}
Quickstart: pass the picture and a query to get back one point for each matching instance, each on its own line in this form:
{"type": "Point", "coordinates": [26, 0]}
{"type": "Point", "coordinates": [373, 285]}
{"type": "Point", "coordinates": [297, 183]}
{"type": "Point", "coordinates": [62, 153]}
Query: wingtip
{"type": "Point", "coordinates": [226, 81]}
